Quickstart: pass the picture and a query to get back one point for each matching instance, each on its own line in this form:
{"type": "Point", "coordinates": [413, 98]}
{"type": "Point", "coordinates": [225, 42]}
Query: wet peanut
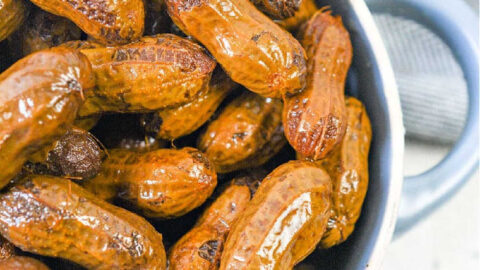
{"type": "Point", "coordinates": [22, 263]}
{"type": "Point", "coordinates": [315, 120]}
{"type": "Point", "coordinates": [107, 21]}
{"type": "Point", "coordinates": [247, 133]}
{"type": "Point", "coordinates": [163, 183]}
{"type": "Point", "coordinates": [278, 9]}
{"type": "Point", "coordinates": [283, 222]}
{"type": "Point", "coordinates": [201, 247]}
{"type": "Point", "coordinates": [7, 249]}
{"type": "Point", "coordinates": [40, 31]}
{"type": "Point", "coordinates": [39, 99]}
{"type": "Point", "coordinates": [305, 11]}
{"type": "Point", "coordinates": [154, 73]}
{"type": "Point", "coordinates": [179, 121]}
{"type": "Point", "coordinates": [347, 165]}
{"type": "Point", "coordinates": [12, 15]}
{"type": "Point", "coordinates": [75, 155]}
{"type": "Point", "coordinates": [55, 217]}
{"type": "Point", "coordinates": [253, 50]}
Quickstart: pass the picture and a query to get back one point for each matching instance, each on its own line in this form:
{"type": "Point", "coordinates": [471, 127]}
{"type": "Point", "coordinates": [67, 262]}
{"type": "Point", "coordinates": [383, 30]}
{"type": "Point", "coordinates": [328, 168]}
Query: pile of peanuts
{"type": "Point", "coordinates": [179, 134]}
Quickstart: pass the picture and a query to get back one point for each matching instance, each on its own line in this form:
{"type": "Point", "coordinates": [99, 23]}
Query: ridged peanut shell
{"type": "Point", "coordinates": [347, 165]}
{"type": "Point", "coordinates": [201, 247]}
{"type": "Point", "coordinates": [247, 133]}
{"type": "Point", "coordinates": [55, 217]}
{"type": "Point", "coordinates": [150, 74]}
{"type": "Point", "coordinates": [107, 21]}
{"type": "Point", "coordinates": [253, 50]}
{"type": "Point", "coordinates": [283, 222]}
{"type": "Point", "coordinates": [39, 99]}
{"type": "Point", "coordinates": [315, 120]}
{"type": "Point", "coordinates": [163, 183]}
{"type": "Point", "coordinates": [175, 122]}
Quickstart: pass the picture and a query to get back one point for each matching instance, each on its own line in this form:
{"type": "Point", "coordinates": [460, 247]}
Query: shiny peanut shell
{"type": "Point", "coordinates": [253, 50]}
{"type": "Point", "coordinates": [315, 120]}
{"type": "Point", "coordinates": [154, 73]}
{"type": "Point", "coordinates": [247, 133]}
{"type": "Point", "coordinates": [163, 183]}
{"type": "Point", "coordinates": [347, 165]}
{"type": "Point", "coordinates": [175, 122]}
{"type": "Point", "coordinates": [39, 99]}
{"type": "Point", "coordinates": [107, 21]}
{"type": "Point", "coordinates": [283, 222]}
{"type": "Point", "coordinates": [201, 247]}
{"type": "Point", "coordinates": [56, 217]}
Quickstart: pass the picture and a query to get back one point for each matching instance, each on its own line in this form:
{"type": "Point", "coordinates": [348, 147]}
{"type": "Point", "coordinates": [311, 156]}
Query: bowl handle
{"type": "Point", "coordinates": [457, 25]}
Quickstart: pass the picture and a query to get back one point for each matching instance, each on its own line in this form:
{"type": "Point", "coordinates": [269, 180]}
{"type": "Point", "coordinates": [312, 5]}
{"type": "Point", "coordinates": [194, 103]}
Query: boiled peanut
{"type": "Point", "coordinates": [163, 183]}
{"type": "Point", "coordinates": [202, 246]}
{"type": "Point", "coordinates": [12, 14]}
{"type": "Point", "coordinates": [175, 122]}
{"type": "Point", "coordinates": [247, 133]}
{"type": "Point", "coordinates": [107, 21]}
{"type": "Point", "coordinates": [305, 11]}
{"type": "Point", "coordinates": [55, 217]}
{"type": "Point", "coordinates": [39, 99]}
{"type": "Point", "coordinates": [75, 155]}
{"type": "Point", "coordinates": [315, 120]}
{"type": "Point", "coordinates": [154, 73]}
{"type": "Point", "coordinates": [347, 165]}
{"type": "Point", "coordinates": [254, 51]}
{"type": "Point", "coordinates": [283, 222]}
{"type": "Point", "coordinates": [42, 30]}
{"type": "Point", "coordinates": [278, 9]}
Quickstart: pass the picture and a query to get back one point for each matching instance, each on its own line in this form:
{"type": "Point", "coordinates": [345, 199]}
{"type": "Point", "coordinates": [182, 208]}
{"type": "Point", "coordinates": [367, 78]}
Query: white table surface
{"type": "Point", "coordinates": [449, 239]}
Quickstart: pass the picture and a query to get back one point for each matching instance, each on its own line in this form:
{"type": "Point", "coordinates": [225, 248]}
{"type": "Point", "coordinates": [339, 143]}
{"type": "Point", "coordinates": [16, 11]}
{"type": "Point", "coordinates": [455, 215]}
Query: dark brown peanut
{"type": "Point", "coordinates": [55, 217]}
{"type": "Point", "coordinates": [247, 133]}
{"type": "Point", "coordinates": [75, 155]}
{"type": "Point", "coordinates": [107, 21]}
{"type": "Point", "coordinates": [347, 165]}
{"type": "Point", "coordinates": [39, 99]}
{"type": "Point", "coordinates": [163, 183]}
{"type": "Point", "coordinates": [278, 9]}
{"type": "Point", "coordinates": [283, 222]}
{"type": "Point", "coordinates": [305, 12]}
{"type": "Point", "coordinates": [253, 50]}
{"type": "Point", "coordinates": [315, 120]}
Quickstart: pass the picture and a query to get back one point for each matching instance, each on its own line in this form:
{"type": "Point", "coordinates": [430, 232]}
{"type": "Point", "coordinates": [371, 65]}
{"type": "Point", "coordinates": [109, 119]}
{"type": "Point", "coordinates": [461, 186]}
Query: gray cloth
{"type": "Point", "coordinates": [432, 87]}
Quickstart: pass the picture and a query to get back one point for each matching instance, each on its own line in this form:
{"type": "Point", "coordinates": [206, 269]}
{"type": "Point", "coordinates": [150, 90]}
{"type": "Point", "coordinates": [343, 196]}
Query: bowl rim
{"type": "Point", "coordinates": [396, 129]}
